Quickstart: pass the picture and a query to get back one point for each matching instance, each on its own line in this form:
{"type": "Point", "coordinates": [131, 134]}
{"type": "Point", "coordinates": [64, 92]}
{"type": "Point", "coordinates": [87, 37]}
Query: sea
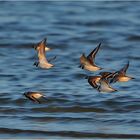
{"type": "Point", "coordinates": [72, 109]}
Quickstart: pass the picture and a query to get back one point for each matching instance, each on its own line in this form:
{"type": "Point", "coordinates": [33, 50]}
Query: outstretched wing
{"type": "Point", "coordinates": [83, 59]}
{"type": "Point", "coordinates": [91, 56]}
{"type": "Point", "coordinates": [35, 99]}
{"type": "Point", "coordinates": [105, 87]}
{"type": "Point", "coordinates": [41, 52]}
{"type": "Point", "coordinates": [124, 69]}
{"type": "Point", "coordinates": [92, 83]}
{"type": "Point", "coordinates": [51, 59]}
{"type": "Point", "coordinates": [37, 46]}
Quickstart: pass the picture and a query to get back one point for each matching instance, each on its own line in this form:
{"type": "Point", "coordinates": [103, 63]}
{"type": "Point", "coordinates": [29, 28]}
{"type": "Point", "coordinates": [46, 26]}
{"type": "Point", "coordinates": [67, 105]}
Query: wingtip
{"type": "Point", "coordinates": [101, 68]}
{"type": "Point", "coordinates": [99, 44]}
{"type": "Point", "coordinates": [86, 77]}
{"type": "Point", "coordinates": [44, 41]}
{"type": "Point", "coordinates": [128, 62]}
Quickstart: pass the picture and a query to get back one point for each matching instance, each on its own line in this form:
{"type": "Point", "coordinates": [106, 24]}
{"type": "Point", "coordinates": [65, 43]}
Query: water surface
{"type": "Point", "coordinates": [73, 109]}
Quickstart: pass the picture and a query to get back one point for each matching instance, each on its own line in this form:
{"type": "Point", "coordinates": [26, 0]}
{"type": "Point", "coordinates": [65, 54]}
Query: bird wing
{"type": "Point", "coordinates": [92, 82]}
{"type": "Point", "coordinates": [105, 74]}
{"type": "Point", "coordinates": [114, 77]}
{"type": "Point", "coordinates": [83, 59]}
{"type": "Point", "coordinates": [41, 52]}
{"type": "Point", "coordinates": [91, 56]}
{"type": "Point", "coordinates": [35, 99]}
{"type": "Point", "coordinates": [104, 83]}
{"type": "Point", "coordinates": [104, 86]}
{"type": "Point", "coordinates": [124, 69]}
{"type": "Point", "coordinates": [51, 59]}
{"type": "Point", "coordinates": [44, 41]}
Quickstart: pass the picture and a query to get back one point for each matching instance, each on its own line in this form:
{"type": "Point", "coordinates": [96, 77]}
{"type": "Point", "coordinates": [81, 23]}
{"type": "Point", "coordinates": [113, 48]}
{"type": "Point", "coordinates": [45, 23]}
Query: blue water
{"type": "Point", "coordinates": [73, 108]}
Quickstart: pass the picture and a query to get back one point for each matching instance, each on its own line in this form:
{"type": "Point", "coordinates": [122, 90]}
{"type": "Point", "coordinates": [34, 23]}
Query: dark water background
{"type": "Point", "coordinates": [73, 109]}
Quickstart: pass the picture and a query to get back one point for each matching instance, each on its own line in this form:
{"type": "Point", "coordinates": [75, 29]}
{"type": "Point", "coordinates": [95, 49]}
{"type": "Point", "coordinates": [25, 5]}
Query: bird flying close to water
{"type": "Point", "coordinates": [42, 60]}
{"type": "Point", "coordinates": [88, 63]}
{"type": "Point", "coordinates": [34, 96]}
{"type": "Point", "coordinates": [100, 82]}
{"type": "Point", "coordinates": [120, 76]}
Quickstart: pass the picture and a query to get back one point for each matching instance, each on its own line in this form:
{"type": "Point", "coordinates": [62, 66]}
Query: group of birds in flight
{"type": "Point", "coordinates": [101, 82]}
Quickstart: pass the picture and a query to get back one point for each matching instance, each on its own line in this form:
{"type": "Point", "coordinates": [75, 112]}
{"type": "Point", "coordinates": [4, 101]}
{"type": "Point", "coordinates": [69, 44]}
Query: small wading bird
{"type": "Point", "coordinates": [88, 63]}
{"type": "Point", "coordinates": [43, 62]}
{"type": "Point", "coordinates": [34, 96]}
{"type": "Point", "coordinates": [120, 76]}
{"type": "Point", "coordinates": [100, 82]}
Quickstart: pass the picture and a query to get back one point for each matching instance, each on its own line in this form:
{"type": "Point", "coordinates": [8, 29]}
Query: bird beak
{"type": "Point", "coordinates": [133, 78]}
{"type": "Point", "coordinates": [101, 68]}
{"type": "Point", "coordinates": [48, 49]}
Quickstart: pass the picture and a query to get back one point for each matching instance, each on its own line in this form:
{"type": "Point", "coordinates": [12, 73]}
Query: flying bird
{"type": "Point", "coordinates": [101, 82]}
{"type": "Point", "coordinates": [34, 96]}
{"type": "Point", "coordinates": [43, 62]}
{"type": "Point", "coordinates": [120, 76]}
{"type": "Point", "coordinates": [88, 62]}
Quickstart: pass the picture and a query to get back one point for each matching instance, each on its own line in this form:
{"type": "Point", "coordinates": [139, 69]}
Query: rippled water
{"type": "Point", "coordinates": [73, 108]}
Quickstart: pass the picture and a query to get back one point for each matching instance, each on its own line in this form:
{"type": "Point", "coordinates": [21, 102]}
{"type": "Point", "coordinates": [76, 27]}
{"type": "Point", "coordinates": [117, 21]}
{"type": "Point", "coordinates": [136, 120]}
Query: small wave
{"type": "Point", "coordinates": [70, 109]}
{"type": "Point", "coordinates": [42, 119]}
{"type": "Point", "coordinates": [68, 134]}
{"type": "Point", "coordinates": [133, 38]}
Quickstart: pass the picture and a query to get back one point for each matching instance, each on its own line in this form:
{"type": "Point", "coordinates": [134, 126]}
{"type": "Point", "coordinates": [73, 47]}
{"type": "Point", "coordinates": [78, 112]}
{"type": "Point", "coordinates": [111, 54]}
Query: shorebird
{"type": "Point", "coordinates": [43, 42]}
{"type": "Point", "coordinates": [88, 62]}
{"type": "Point", "coordinates": [104, 86]}
{"type": "Point", "coordinates": [120, 76]}
{"type": "Point", "coordinates": [43, 62]}
{"type": "Point", "coordinates": [101, 82]}
{"type": "Point", "coordinates": [34, 96]}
